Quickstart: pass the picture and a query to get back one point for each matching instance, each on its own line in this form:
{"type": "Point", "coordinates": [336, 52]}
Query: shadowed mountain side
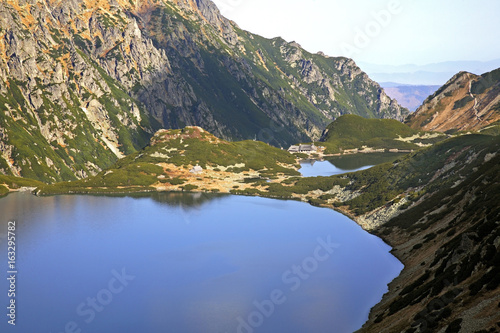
{"type": "Point", "coordinates": [448, 236]}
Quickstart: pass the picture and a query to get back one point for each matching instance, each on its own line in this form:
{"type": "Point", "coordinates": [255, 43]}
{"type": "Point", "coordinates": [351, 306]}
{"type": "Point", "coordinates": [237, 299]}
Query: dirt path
{"type": "Point", "coordinates": [475, 101]}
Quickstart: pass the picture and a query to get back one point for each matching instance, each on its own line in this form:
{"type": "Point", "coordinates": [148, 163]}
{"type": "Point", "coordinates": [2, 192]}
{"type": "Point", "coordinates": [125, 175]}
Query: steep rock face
{"type": "Point", "coordinates": [269, 88]}
{"type": "Point", "coordinates": [89, 81]}
{"type": "Point", "coordinates": [466, 102]}
{"type": "Point", "coordinates": [62, 115]}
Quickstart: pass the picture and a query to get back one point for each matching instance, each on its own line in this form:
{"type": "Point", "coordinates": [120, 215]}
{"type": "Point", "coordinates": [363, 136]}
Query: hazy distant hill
{"type": "Point", "coordinates": [409, 96]}
{"type": "Point", "coordinates": [431, 74]}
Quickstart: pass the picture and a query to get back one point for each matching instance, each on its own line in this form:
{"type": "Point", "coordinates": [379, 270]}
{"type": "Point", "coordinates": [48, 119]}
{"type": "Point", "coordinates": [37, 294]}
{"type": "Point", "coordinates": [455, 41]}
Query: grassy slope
{"type": "Point", "coordinates": [8, 183]}
{"type": "Point", "coordinates": [363, 129]}
{"type": "Point", "coordinates": [351, 131]}
{"type": "Point", "coordinates": [418, 172]}
{"type": "Point", "coordinates": [3, 190]}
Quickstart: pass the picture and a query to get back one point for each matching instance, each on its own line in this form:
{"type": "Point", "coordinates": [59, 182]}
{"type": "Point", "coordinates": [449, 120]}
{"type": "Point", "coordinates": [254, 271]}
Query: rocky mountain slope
{"type": "Point", "coordinates": [467, 102]}
{"type": "Point", "coordinates": [446, 231]}
{"type": "Point", "coordinates": [86, 82]}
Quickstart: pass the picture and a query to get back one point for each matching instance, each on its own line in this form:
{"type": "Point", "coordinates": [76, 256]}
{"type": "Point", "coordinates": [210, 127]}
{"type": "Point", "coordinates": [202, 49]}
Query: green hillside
{"type": "Point", "coordinates": [8, 183]}
{"type": "Point", "coordinates": [353, 126]}
{"type": "Point", "coordinates": [352, 131]}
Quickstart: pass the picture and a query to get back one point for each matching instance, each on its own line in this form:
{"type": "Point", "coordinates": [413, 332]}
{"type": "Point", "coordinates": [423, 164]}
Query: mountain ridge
{"type": "Point", "coordinates": [466, 102]}
{"type": "Point", "coordinates": [86, 79]}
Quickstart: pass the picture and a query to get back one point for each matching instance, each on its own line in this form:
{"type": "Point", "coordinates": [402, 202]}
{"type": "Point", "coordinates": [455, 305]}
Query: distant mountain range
{"type": "Point", "coordinates": [431, 74]}
{"type": "Point", "coordinates": [411, 97]}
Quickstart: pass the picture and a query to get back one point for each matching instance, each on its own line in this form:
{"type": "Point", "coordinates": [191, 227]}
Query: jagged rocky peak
{"type": "Point", "coordinates": [205, 7]}
{"type": "Point", "coordinates": [348, 66]}
{"type": "Point", "coordinates": [208, 11]}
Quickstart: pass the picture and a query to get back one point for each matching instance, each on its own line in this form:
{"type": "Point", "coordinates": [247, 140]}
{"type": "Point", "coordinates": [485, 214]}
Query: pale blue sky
{"type": "Point", "coordinates": [392, 32]}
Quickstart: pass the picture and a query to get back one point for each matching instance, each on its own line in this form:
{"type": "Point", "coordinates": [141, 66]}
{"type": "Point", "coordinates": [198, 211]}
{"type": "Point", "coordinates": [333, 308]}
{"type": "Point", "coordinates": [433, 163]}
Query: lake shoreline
{"type": "Point", "coordinates": [393, 285]}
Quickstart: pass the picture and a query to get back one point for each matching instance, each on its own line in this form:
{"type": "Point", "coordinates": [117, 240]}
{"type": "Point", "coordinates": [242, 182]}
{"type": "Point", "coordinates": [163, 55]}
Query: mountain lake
{"type": "Point", "coordinates": [336, 165]}
{"type": "Point", "coordinates": [180, 262]}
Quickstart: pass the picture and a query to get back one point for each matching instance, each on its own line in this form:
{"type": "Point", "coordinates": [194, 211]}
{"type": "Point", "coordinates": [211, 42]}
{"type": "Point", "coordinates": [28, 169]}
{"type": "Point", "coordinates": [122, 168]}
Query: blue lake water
{"type": "Point", "coordinates": [188, 263]}
{"type": "Point", "coordinates": [324, 168]}
{"type": "Point", "coordinates": [347, 163]}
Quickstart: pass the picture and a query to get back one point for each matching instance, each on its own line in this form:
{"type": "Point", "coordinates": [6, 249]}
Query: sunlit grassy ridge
{"type": "Point", "coordinates": [352, 126]}
{"type": "Point", "coordinates": [173, 153]}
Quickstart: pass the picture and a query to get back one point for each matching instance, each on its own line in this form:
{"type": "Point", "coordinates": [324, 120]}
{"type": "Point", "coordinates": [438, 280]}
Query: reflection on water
{"type": "Point", "coordinates": [312, 168]}
{"type": "Point", "coordinates": [336, 165]}
{"type": "Point", "coordinates": [356, 161]}
{"type": "Point", "coordinates": [200, 263]}
{"type": "Point", "coordinates": [186, 199]}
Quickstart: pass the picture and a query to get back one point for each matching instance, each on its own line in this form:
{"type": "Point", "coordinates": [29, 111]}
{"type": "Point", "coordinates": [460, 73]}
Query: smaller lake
{"type": "Point", "coordinates": [337, 165]}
